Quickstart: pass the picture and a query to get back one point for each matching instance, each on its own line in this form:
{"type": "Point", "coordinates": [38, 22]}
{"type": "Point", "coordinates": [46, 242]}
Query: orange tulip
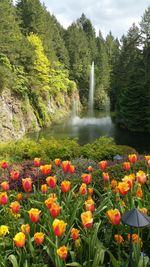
{"type": "Point", "coordinates": [135, 238]}
{"type": "Point", "coordinates": [59, 227]}
{"type": "Point", "coordinates": [34, 215]}
{"type": "Point", "coordinates": [51, 181]}
{"type": "Point", "coordinates": [113, 184]}
{"type": "Point", "coordinates": [132, 158]}
{"type": "Point", "coordinates": [66, 166]}
{"type": "Point", "coordinates": [75, 233]}
{"type": "Point", "coordinates": [39, 238]}
{"type": "Point", "coordinates": [89, 168]}
{"type": "Point", "coordinates": [71, 169]}
{"type": "Point", "coordinates": [3, 198]}
{"type": "Point", "coordinates": [46, 169]}
{"type": "Point", "coordinates": [83, 189]}
{"type": "Point", "coordinates": [118, 239]}
{"type": "Point", "coordinates": [25, 228]}
{"type": "Point", "coordinates": [4, 164]}
{"type": "Point", "coordinates": [57, 162]}
{"type": "Point", "coordinates": [19, 197]}
{"type": "Point", "coordinates": [14, 175]}
{"type": "Point", "coordinates": [15, 207]}
{"type": "Point", "coordinates": [86, 178]}
{"type": "Point", "coordinates": [55, 210]}
{"type": "Point", "coordinates": [27, 185]}
{"type": "Point", "coordinates": [86, 218]}
{"type": "Point", "coordinates": [37, 162]}
{"type": "Point", "coordinates": [103, 165]}
{"type": "Point", "coordinates": [143, 210]}
{"type": "Point", "coordinates": [50, 201]}
{"type": "Point", "coordinates": [123, 188]}
{"type": "Point", "coordinates": [126, 166]}
{"type": "Point", "coordinates": [44, 188]}
{"type": "Point", "coordinates": [19, 240]}
{"type": "Point", "coordinates": [105, 176]}
{"type": "Point", "coordinates": [141, 177]}
{"type": "Point", "coordinates": [128, 180]}
{"type": "Point", "coordinates": [65, 186]}
{"type": "Point", "coordinates": [89, 205]}
{"type": "Point", "coordinates": [62, 252]}
{"type": "Point", "coordinates": [90, 190]}
{"type": "Point", "coordinates": [5, 186]}
{"type": "Point", "coordinates": [114, 216]}
{"type": "Point", "coordinates": [139, 193]}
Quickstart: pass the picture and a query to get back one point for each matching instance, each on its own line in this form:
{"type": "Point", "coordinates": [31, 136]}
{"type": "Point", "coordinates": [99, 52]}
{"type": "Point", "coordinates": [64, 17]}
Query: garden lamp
{"type": "Point", "coordinates": [117, 157]}
{"type": "Point", "coordinates": [135, 218]}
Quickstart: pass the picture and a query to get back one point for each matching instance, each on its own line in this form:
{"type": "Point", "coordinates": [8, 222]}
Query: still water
{"type": "Point", "coordinates": [87, 129]}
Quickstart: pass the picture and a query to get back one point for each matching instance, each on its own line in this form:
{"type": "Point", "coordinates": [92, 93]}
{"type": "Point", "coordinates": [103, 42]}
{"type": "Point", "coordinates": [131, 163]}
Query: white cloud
{"type": "Point", "coordinates": [106, 15]}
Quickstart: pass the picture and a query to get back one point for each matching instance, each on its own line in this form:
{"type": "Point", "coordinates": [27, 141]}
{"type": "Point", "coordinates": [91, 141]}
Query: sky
{"type": "Point", "coordinates": [115, 15]}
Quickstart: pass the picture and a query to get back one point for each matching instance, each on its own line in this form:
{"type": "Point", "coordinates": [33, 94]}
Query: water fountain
{"type": "Point", "coordinates": [91, 91]}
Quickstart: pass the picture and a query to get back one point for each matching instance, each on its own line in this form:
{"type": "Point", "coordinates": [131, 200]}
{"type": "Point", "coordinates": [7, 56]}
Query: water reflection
{"type": "Point", "coordinates": [86, 130]}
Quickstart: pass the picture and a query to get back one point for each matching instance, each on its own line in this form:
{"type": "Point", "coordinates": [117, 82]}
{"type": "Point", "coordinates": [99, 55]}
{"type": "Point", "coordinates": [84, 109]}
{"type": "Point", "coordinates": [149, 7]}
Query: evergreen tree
{"type": "Point", "coordinates": [10, 35]}
{"type": "Point", "coordinates": [80, 60]}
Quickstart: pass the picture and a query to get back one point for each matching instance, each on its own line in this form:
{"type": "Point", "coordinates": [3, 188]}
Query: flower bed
{"type": "Point", "coordinates": [63, 214]}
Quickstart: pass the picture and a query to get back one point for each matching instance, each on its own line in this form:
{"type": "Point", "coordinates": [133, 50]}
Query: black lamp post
{"type": "Point", "coordinates": [135, 218]}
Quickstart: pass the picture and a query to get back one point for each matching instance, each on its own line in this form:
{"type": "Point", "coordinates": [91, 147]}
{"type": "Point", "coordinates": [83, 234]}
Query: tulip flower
{"type": "Point", "coordinates": [4, 164]}
{"type": "Point", "coordinates": [147, 157]}
{"type": "Point", "coordinates": [144, 210]}
{"type": "Point", "coordinates": [59, 227]}
{"type": "Point", "coordinates": [86, 178]}
{"type": "Point", "coordinates": [5, 186]}
{"type": "Point", "coordinates": [135, 239]}
{"type": "Point", "coordinates": [114, 216]}
{"type": "Point", "coordinates": [139, 193]}
{"type": "Point", "coordinates": [89, 205]}
{"type": "Point", "coordinates": [62, 252]}
{"type": "Point", "coordinates": [4, 230]}
{"type": "Point", "coordinates": [15, 207]}
{"type": "Point", "coordinates": [57, 162]}
{"type": "Point", "coordinates": [86, 218]}
{"type": "Point", "coordinates": [123, 188]}
{"type": "Point", "coordinates": [27, 185]}
{"type": "Point", "coordinates": [90, 190]}
{"type": "Point", "coordinates": [126, 166]}
{"type": "Point", "coordinates": [132, 158]}
{"type": "Point", "coordinates": [46, 169]}
{"type": "Point", "coordinates": [148, 163]}
{"type": "Point", "coordinates": [113, 184]}
{"type": "Point", "coordinates": [89, 168]}
{"type": "Point", "coordinates": [19, 197]}
{"type": "Point", "coordinates": [34, 215]}
{"type": "Point", "coordinates": [19, 240]}
{"type": "Point", "coordinates": [66, 166]}
{"type": "Point", "coordinates": [3, 198]}
{"type": "Point", "coordinates": [51, 181]}
{"type": "Point", "coordinates": [14, 175]}
{"type": "Point", "coordinates": [25, 228]}
{"type": "Point", "coordinates": [71, 169]}
{"type": "Point", "coordinates": [65, 186]}
{"type": "Point", "coordinates": [37, 162]}
{"type": "Point", "coordinates": [141, 177]}
{"type": "Point", "coordinates": [128, 180]}
{"type": "Point", "coordinates": [83, 189]}
{"type": "Point", "coordinates": [75, 233]}
{"type": "Point", "coordinates": [55, 210]}
{"type": "Point", "coordinates": [39, 238]}
{"type": "Point", "coordinates": [119, 239]}
{"type": "Point", "coordinates": [105, 176]}
{"type": "Point", "coordinates": [44, 188]}
{"type": "Point", "coordinates": [50, 201]}
{"type": "Point", "coordinates": [103, 165]}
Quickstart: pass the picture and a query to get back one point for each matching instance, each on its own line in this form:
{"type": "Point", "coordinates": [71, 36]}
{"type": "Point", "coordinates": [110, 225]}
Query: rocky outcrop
{"type": "Point", "coordinates": [18, 116]}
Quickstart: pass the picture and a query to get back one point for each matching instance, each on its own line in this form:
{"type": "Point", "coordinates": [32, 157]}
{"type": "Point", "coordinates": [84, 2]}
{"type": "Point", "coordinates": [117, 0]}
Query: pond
{"type": "Point", "coordinates": [86, 129]}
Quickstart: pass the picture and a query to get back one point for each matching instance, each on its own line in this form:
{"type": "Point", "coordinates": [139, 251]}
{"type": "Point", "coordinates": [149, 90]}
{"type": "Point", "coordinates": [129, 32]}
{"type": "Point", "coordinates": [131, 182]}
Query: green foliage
{"type": "Point", "coordinates": [102, 148]}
